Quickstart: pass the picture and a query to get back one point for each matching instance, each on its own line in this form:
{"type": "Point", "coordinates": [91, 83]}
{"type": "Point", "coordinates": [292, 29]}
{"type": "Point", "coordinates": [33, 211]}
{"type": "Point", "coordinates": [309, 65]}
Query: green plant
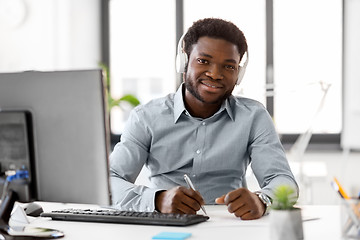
{"type": "Point", "coordinates": [131, 99]}
{"type": "Point", "coordinates": [284, 198]}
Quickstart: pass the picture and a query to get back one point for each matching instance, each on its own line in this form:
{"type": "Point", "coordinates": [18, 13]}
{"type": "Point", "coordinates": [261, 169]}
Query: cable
{"type": "Point", "coordinates": [11, 175]}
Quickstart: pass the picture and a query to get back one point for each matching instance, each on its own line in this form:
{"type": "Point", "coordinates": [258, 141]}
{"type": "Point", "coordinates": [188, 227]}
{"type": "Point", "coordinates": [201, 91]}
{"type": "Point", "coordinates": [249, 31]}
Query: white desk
{"type": "Point", "coordinates": [220, 225]}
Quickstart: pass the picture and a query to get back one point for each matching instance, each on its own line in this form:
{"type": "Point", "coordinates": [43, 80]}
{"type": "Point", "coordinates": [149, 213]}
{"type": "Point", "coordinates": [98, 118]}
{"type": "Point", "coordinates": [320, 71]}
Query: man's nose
{"type": "Point", "coordinates": [215, 72]}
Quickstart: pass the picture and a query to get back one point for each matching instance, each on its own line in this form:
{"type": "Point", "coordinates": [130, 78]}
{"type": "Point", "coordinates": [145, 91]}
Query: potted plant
{"type": "Point", "coordinates": [129, 98]}
{"type": "Point", "coordinates": [125, 102]}
{"type": "Point", "coordinates": [285, 217]}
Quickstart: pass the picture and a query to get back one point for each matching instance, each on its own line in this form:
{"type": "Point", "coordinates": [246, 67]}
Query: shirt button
{"type": "Point", "coordinates": [203, 123]}
{"type": "Point", "coordinates": [198, 151]}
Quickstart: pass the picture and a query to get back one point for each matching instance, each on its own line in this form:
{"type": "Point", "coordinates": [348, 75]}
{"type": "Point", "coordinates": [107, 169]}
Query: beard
{"type": "Point", "coordinates": [190, 86]}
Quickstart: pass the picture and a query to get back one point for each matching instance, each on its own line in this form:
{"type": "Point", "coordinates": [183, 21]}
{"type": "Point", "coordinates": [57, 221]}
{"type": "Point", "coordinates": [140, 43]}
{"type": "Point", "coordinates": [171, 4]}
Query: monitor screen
{"type": "Point", "coordinates": [70, 132]}
{"type": "Point", "coordinates": [16, 153]}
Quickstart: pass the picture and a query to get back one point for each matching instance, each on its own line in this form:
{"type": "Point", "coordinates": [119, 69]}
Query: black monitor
{"type": "Point", "coordinates": [70, 132]}
{"type": "Point", "coordinates": [17, 154]}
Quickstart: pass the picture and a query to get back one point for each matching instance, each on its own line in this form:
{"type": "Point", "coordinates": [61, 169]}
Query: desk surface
{"type": "Point", "coordinates": [322, 222]}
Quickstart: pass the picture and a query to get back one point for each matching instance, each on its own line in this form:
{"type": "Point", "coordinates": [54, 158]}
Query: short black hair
{"type": "Point", "coordinates": [215, 28]}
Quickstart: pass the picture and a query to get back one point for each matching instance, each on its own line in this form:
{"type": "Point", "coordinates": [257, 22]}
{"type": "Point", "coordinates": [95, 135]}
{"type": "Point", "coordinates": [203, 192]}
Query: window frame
{"type": "Point", "coordinates": [327, 141]}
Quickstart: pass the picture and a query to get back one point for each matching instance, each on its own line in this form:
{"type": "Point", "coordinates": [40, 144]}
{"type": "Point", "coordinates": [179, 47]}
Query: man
{"type": "Point", "coordinates": [203, 131]}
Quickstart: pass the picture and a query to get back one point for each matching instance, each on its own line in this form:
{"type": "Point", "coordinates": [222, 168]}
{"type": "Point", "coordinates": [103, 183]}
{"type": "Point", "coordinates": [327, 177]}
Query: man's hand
{"type": "Point", "coordinates": [178, 200]}
{"type": "Point", "coordinates": [243, 204]}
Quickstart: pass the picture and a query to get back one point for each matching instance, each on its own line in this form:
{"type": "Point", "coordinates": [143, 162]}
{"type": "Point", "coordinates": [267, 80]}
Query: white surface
{"type": "Point", "coordinates": [350, 138]}
{"type": "Point", "coordinates": [221, 224]}
{"type": "Point", "coordinates": [49, 35]}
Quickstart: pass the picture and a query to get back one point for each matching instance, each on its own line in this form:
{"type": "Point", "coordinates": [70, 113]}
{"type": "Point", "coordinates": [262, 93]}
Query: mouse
{"type": "Point", "coordinates": [33, 209]}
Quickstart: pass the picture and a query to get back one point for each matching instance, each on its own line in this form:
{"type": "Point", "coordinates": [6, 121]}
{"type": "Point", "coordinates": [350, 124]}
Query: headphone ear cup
{"type": "Point", "coordinates": [242, 69]}
{"type": "Point", "coordinates": [181, 62]}
{"type": "Point", "coordinates": [241, 75]}
{"type": "Point", "coordinates": [181, 56]}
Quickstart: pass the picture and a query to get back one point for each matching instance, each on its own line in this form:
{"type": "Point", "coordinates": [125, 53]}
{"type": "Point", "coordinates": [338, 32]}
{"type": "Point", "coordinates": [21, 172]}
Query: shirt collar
{"type": "Point", "coordinates": [179, 106]}
{"type": "Point", "coordinates": [226, 104]}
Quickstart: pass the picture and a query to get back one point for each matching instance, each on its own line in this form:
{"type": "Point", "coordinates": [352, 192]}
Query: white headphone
{"type": "Point", "coordinates": [182, 60]}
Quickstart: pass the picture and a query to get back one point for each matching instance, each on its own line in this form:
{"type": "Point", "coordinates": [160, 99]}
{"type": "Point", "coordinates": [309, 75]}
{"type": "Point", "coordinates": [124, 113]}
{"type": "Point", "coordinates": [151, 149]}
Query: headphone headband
{"type": "Point", "coordinates": [182, 60]}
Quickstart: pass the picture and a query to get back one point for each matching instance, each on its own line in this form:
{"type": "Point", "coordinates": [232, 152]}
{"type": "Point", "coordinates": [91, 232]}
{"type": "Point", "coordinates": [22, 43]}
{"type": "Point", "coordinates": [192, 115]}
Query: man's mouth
{"type": "Point", "coordinates": [211, 85]}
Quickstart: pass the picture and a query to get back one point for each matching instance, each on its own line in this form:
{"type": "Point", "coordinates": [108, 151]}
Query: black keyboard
{"type": "Point", "coordinates": [125, 217]}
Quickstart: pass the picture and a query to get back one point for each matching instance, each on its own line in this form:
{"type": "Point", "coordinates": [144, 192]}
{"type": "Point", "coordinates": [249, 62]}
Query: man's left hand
{"type": "Point", "coordinates": [243, 204]}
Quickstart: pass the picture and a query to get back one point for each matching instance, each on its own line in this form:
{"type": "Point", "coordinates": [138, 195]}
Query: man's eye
{"type": "Point", "coordinates": [230, 67]}
{"type": "Point", "coordinates": [202, 61]}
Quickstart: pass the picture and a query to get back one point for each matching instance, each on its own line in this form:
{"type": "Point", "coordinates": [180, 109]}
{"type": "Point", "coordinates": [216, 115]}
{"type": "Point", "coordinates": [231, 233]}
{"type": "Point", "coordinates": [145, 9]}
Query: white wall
{"type": "Point", "coordinates": [49, 34]}
{"type": "Point", "coordinates": [351, 129]}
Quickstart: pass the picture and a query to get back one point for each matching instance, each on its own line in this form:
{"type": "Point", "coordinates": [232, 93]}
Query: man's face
{"type": "Point", "coordinates": [212, 70]}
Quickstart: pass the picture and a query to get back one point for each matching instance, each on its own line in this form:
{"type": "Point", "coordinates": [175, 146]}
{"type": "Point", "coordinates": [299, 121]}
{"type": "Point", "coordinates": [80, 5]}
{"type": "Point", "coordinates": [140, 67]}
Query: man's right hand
{"type": "Point", "coordinates": [178, 200]}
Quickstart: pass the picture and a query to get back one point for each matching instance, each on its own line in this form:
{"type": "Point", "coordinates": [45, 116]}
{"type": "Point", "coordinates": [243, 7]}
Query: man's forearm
{"type": "Point", "coordinates": [277, 181]}
{"type": "Point", "coordinates": [130, 197]}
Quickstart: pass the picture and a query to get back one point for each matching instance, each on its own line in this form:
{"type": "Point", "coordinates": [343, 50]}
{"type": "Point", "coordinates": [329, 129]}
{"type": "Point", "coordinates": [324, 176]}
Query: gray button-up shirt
{"type": "Point", "coordinates": [214, 152]}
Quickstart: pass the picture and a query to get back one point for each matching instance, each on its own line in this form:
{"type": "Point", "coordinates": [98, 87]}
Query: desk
{"type": "Point", "coordinates": [221, 224]}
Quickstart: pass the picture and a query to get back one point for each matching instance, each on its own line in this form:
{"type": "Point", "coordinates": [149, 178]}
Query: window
{"type": "Point", "coordinates": [307, 51]}
{"type": "Point", "coordinates": [142, 55]}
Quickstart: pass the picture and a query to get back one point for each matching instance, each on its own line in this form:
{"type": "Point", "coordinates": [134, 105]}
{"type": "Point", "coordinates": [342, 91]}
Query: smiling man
{"type": "Point", "coordinates": [203, 131]}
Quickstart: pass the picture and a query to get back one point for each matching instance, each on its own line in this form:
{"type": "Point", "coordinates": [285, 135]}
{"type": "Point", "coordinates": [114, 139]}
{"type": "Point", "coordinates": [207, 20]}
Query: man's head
{"type": "Point", "coordinates": [215, 28]}
{"type": "Point", "coordinates": [214, 49]}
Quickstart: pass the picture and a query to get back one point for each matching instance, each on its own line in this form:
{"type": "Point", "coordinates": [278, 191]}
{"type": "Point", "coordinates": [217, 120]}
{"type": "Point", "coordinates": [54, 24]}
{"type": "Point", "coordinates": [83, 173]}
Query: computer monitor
{"type": "Point", "coordinates": [17, 154]}
{"type": "Point", "coordinates": [70, 132]}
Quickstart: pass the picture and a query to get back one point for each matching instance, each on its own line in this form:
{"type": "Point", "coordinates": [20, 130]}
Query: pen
{"type": "Point", "coordinates": [341, 189]}
{"type": "Point", "coordinates": [190, 185]}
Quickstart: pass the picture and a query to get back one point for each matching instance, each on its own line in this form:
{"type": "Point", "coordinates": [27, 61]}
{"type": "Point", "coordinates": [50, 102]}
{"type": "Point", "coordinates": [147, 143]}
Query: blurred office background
{"type": "Point", "coordinates": [303, 65]}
